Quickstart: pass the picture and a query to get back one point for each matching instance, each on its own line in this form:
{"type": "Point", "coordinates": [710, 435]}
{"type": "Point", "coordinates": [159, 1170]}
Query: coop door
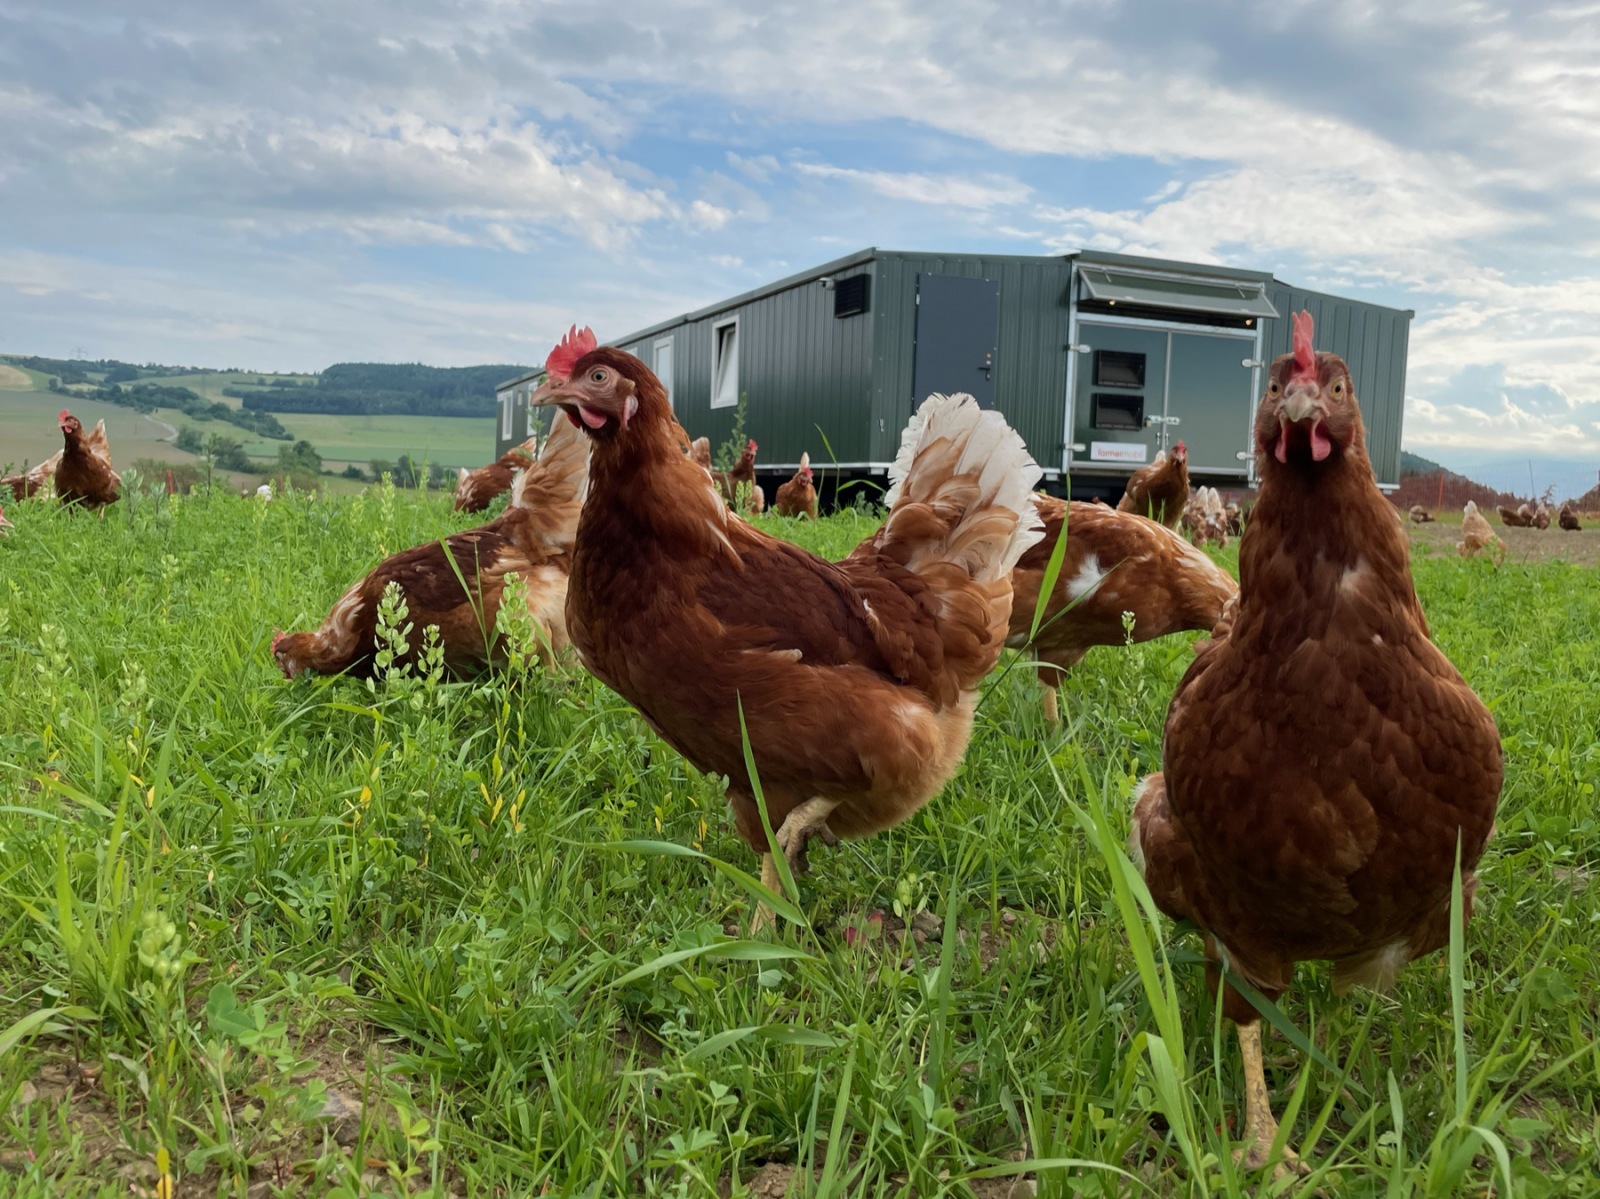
{"type": "Point", "coordinates": [958, 321]}
{"type": "Point", "coordinates": [1119, 397]}
{"type": "Point", "coordinates": [1210, 398]}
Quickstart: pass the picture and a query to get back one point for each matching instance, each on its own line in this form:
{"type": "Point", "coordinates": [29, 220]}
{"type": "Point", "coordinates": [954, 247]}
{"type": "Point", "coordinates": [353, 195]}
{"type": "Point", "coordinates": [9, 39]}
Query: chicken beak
{"type": "Point", "coordinates": [547, 393]}
{"type": "Point", "coordinates": [1302, 402]}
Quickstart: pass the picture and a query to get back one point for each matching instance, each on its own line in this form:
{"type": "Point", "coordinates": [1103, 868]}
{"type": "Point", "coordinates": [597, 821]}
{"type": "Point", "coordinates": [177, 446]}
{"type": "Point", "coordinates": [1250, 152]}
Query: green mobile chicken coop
{"type": "Point", "coordinates": [1099, 360]}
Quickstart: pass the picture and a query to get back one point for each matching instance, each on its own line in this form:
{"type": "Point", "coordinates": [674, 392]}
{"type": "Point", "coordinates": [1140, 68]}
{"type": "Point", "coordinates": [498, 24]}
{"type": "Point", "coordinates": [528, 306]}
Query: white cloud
{"type": "Point", "coordinates": [1437, 153]}
{"type": "Point", "coordinates": [952, 192]}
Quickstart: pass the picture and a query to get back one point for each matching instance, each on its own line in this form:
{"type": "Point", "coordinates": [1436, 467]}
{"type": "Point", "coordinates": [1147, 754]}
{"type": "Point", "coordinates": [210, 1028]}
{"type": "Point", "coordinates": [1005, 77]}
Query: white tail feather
{"type": "Point", "coordinates": [954, 453]}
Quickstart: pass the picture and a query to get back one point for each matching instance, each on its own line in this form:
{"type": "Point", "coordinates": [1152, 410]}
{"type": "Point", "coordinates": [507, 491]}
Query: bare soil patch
{"type": "Point", "coordinates": [1522, 545]}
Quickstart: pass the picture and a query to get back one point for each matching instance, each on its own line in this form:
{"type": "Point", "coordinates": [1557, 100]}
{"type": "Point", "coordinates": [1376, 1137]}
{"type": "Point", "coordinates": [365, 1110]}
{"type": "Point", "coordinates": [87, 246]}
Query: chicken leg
{"type": "Point", "coordinates": [809, 820]}
{"type": "Point", "coordinates": [1260, 1128]}
{"type": "Point", "coordinates": [1052, 713]}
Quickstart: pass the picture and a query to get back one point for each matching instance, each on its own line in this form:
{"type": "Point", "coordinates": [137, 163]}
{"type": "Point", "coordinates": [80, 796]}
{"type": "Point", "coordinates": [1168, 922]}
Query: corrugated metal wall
{"type": "Point", "coordinates": [1030, 359]}
{"type": "Point", "coordinates": [801, 368]}
{"type": "Point", "coordinates": [1373, 341]}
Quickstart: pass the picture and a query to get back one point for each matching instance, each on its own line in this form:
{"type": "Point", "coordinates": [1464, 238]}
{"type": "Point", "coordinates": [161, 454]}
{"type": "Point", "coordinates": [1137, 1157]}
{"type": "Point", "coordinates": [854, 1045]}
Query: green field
{"type": "Point", "coordinates": [320, 938]}
{"type": "Point", "coordinates": [28, 430]}
{"type": "Point", "coordinates": [452, 441]}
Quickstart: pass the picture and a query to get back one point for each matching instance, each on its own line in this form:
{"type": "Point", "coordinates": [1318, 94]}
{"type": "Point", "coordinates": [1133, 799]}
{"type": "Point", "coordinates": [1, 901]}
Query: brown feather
{"type": "Point", "coordinates": [1115, 562]}
{"type": "Point", "coordinates": [532, 539]}
{"type": "Point", "coordinates": [480, 488]}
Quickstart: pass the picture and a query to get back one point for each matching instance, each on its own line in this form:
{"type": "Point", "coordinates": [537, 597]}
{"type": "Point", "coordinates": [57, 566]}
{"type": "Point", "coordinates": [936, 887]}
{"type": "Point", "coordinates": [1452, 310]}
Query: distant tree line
{"type": "Point", "coordinates": [386, 389]}
{"type": "Point", "coordinates": [77, 370]}
{"type": "Point", "coordinates": [147, 397]}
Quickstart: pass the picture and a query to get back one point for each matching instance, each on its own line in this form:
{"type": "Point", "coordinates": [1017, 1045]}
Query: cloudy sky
{"type": "Point", "coordinates": [281, 184]}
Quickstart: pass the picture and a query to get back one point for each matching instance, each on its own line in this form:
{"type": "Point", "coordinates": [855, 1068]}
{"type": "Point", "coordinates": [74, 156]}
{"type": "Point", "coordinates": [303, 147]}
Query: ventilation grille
{"type": "Point", "coordinates": [1118, 412]}
{"type": "Point", "coordinates": [1118, 368]}
{"type": "Point", "coordinates": [850, 295]}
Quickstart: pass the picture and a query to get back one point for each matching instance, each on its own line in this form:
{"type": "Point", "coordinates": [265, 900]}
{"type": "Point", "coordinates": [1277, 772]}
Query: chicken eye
{"type": "Point", "coordinates": [1273, 388]}
{"type": "Point", "coordinates": [598, 376]}
{"type": "Point", "coordinates": [1338, 389]}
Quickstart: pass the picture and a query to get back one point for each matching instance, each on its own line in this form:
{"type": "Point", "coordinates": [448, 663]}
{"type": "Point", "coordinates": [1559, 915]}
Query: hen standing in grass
{"type": "Point", "coordinates": [531, 539]}
{"type": "Point", "coordinates": [738, 486]}
{"type": "Point", "coordinates": [1160, 490]}
{"type": "Point", "coordinates": [1322, 760]}
{"type": "Point", "coordinates": [798, 497]}
{"type": "Point", "coordinates": [1116, 564]}
{"type": "Point", "coordinates": [477, 489]}
{"type": "Point", "coordinates": [1569, 517]}
{"type": "Point", "coordinates": [857, 680]}
{"type": "Point", "coordinates": [84, 475]}
{"type": "Point", "coordinates": [1477, 534]}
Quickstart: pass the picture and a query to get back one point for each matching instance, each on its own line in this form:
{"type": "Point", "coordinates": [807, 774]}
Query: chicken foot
{"type": "Point", "coordinates": [1260, 1127]}
{"type": "Point", "coordinates": [809, 820]}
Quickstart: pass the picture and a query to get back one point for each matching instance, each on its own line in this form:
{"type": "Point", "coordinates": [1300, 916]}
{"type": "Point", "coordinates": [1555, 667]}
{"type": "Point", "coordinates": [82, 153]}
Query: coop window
{"type": "Point", "coordinates": [725, 364]}
{"type": "Point", "coordinates": [663, 365]}
{"type": "Point", "coordinates": [1118, 368]}
{"type": "Point", "coordinates": [1118, 411]}
{"type": "Point", "coordinates": [850, 295]}
{"type": "Point", "coordinates": [505, 415]}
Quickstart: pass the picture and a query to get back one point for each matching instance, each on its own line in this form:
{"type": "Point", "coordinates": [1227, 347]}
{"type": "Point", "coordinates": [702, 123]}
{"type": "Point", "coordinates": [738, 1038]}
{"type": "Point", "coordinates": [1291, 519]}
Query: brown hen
{"type": "Point", "coordinates": [1322, 759]}
{"type": "Point", "coordinates": [84, 475]}
{"type": "Point", "coordinates": [1160, 490]}
{"type": "Point", "coordinates": [477, 489]}
{"type": "Point", "coordinates": [738, 486]}
{"type": "Point", "coordinates": [532, 539]}
{"type": "Point", "coordinates": [798, 497]}
{"type": "Point", "coordinates": [857, 680]}
{"type": "Point", "coordinates": [1116, 565]}
{"type": "Point", "coordinates": [1477, 534]}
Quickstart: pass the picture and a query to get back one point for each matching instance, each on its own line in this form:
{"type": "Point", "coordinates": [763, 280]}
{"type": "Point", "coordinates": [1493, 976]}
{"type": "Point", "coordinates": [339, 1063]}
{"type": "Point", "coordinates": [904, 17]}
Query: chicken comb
{"type": "Point", "coordinates": [572, 347]}
{"type": "Point", "coordinates": [63, 415]}
{"type": "Point", "coordinates": [1305, 358]}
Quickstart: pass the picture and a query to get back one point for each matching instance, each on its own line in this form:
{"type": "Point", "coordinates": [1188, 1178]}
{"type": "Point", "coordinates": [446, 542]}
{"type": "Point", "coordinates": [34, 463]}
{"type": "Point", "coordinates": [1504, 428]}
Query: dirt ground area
{"type": "Point", "coordinates": [1522, 545]}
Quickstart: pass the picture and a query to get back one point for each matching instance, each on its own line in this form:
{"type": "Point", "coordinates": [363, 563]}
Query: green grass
{"type": "Point", "coordinates": [233, 897]}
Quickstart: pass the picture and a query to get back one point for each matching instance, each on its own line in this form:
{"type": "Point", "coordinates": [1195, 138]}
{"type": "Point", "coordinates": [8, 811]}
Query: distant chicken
{"type": "Point", "coordinates": [1205, 519]}
{"type": "Point", "coordinates": [1117, 565]}
{"type": "Point", "coordinates": [857, 680]}
{"type": "Point", "coordinates": [1322, 760]}
{"type": "Point", "coordinates": [1541, 516]}
{"type": "Point", "coordinates": [532, 539]}
{"type": "Point", "coordinates": [739, 486]}
{"type": "Point", "coordinates": [84, 475]}
{"type": "Point", "coordinates": [1235, 516]}
{"type": "Point", "coordinates": [1477, 534]}
{"type": "Point", "coordinates": [1514, 518]}
{"type": "Point", "coordinates": [798, 497]}
{"type": "Point", "coordinates": [477, 489]}
{"type": "Point", "coordinates": [700, 451]}
{"type": "Point", "coordinates": [1420, 515]}
{"type": "Point", "coordinates": [1160, 490]}
{"type": "Point", "coordinates": [1569, 517]}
